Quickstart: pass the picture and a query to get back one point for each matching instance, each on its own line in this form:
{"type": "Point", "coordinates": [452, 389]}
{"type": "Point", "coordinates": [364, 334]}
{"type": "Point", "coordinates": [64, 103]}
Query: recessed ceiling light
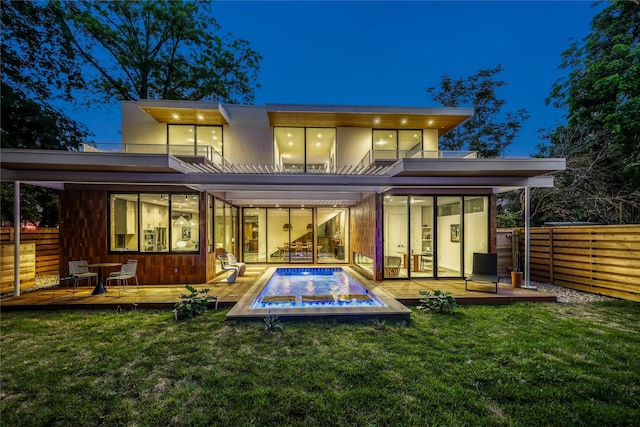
{"type": "Point", "coordinates": [290, 143]}
{"type": "Point", "coordinates": [376, 121]}
{"type": "Point", "coordinates": [175, 116]}
{"type": "Point", "coordinates": [288, 135]}
{"type": "Point", "coordinates": [318, 144]}
{"type": "Point", "coordinates": [404, 121]}
{"type": "Point", "coordinates": [430, 122]}
{"type": "Point", "coordinates": [319, 135]}
{"type": "Point", "coordinates": [200, 117]}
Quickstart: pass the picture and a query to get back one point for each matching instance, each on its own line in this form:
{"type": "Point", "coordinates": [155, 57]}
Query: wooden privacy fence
{"type": "Point", "coordinates": [603, 259]}
{"type": "Point", "coordinates": [44, 243]}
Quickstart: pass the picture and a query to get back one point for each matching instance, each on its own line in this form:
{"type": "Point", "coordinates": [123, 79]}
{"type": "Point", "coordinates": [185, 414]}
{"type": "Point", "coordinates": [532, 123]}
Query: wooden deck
{"type": "Point", "coordinates": [164, 296]}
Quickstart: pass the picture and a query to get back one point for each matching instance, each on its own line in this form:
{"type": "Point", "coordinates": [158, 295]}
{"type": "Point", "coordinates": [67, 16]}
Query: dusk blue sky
{"type": "Point", "coordinates": [387, 53]}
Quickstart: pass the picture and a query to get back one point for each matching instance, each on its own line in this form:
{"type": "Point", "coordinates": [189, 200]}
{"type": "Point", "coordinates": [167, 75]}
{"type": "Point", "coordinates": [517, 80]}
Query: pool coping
{"type": "Point", "coordinates": [394, 309]}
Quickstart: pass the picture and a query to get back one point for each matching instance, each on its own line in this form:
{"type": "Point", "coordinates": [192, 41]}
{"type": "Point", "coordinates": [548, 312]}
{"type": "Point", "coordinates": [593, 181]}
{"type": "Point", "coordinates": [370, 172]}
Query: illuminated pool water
{"type": "Point", "coordinates": [314, 288]}
{"type": "Point", "coordinates": [320, 292]}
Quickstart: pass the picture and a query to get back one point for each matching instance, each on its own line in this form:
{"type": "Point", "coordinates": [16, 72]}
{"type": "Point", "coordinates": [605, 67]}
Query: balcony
{"type": "Point", "coordinates": [203, 158]}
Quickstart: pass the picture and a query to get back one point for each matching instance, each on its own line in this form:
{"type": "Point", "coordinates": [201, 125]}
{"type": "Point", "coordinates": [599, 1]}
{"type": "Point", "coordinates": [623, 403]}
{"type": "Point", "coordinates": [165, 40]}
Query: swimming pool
{"type": "Point", "coordinates": [291, 292]}
{"type": "Point", "coordinates": [314, 288]}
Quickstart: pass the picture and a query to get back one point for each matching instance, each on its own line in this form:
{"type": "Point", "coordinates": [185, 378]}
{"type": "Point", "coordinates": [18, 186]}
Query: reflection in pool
{"type": "Point", "coordinates": [314, 287]}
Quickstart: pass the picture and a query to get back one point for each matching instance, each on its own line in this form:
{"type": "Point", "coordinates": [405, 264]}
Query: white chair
{"type": "Point", "coordinates": [66, 279]}
{"type": "Point", "coordinates": [129, 261]}
{"type": "Point", "coordinates": [234, 272]}
{"type": "Point", "coordinates": [233, 262]}
{"type": "Point", "coordinates": [79, 270]}
{"type": "Point", "coordinates": [127, 271]}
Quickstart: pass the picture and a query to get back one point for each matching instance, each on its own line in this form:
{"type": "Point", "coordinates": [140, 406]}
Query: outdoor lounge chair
{"type": "Point", "coordinates": [485, 270]}
{"type": "Point", "coordinates": [231, 278]}
{"type": "Point", "coordinates": [233, 262]}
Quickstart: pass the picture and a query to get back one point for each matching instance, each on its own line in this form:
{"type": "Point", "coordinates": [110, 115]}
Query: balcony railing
{"type": "Point", "coordinates": [374, 162]}
{"type": "Point", "coordinates": [205, 151]}
{"type": "Point", "coordinates": [378, 157]}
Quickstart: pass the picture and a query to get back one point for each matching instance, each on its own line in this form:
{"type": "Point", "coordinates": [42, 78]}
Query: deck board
{"type": "Point", "coordinates": [164, 296]}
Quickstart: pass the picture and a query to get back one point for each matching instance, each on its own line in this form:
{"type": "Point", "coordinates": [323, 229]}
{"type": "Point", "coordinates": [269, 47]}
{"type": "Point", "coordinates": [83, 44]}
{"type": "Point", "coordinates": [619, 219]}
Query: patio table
{"type": "Point", "coordinates": [100, 289]}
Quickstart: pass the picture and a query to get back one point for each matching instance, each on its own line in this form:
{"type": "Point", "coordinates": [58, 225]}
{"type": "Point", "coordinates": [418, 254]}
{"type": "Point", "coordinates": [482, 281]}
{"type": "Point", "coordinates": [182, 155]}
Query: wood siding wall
{"type": "Point", "coordinates": [599, 259]}
{"type": "Point", "coordinates": [364, 229]}
{"type": "Point", "coordinates": [83, 235]}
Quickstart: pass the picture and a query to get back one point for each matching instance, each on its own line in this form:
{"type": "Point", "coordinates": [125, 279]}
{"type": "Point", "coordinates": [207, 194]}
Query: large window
{"type": "Point", "coordinates": [195, 140]}
{"type": "Point", "coordinates": [154, 223]}
{"type": "Point", "coordinates": [433, 236]}
{"type": "Point", "coordinates": [395, 144]}
{"type": "Point", "coordinates": [395, 245]}
{"type": "Point", "coordinates": [226, 227]}
{"type": "Point", "coordinates": [305, 150]}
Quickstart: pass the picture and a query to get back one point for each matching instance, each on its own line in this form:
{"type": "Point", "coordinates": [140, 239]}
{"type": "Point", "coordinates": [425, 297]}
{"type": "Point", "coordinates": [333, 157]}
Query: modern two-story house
{"type": "Point", "coordinates": [292, 184]}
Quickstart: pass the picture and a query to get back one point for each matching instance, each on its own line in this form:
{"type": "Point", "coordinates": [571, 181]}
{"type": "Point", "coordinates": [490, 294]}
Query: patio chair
{"type": "Point", "coordinates": [129, 261]}
{"type": "Point", "coordinates": [127, 271]}
{"type": "Point", "coordinates": [79, 270]}
{"type": "Point", "coordinates": [231, 278]}
{"type": "Point", "coordinates": [485, 270]}
{"type": "Point", "coordinates": [233, 262]}
{"type": "Point", "coordinates": [392, 266]}
{"type": "Point", "coordinates": [68, 278]}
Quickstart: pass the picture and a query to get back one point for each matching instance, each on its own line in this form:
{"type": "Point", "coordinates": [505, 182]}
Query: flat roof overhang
{"type": "Point", "coordinates": [442, 119]}
{"type": "Point", "coordinates": [185, 112]}
{"type": "Point", "coordinates": [498, 167]}
{"type": "Point", "coordinates": [59, 168]}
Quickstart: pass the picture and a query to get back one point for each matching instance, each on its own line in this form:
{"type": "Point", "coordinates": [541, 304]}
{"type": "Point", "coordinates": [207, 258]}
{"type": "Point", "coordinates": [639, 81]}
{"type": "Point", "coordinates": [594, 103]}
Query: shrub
{"type": "Point", "coordinates": [441, 302]}
{"type": "Point", "coordinates": [193, 303]}
{"type": "Point", "coordinates": [271, 323]}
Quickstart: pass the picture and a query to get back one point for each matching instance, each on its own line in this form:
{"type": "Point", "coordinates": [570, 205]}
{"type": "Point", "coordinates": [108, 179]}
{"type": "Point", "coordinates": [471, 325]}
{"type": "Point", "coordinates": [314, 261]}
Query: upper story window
{"type": "Point", "coordinates": [195, 140]}
{"type": "Point", "coordinates": [395, 143]}
{"type": "Point", "coordinates": [304, 150]}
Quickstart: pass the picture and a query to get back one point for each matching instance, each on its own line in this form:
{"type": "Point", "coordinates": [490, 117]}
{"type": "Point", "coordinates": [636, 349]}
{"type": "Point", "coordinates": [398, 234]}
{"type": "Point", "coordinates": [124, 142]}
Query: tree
{"type": "Point", "coordinates": [601, 138]}
{"type": "Point", "coordinates": [38, 65]}
{"type": "Point", "coordinates": [160, 50]}
{"type": "Point", "coordinates": [490, 131]}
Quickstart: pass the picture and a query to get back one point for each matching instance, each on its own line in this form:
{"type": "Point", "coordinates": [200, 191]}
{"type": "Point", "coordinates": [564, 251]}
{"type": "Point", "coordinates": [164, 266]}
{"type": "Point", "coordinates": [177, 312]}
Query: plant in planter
{"type": "Point", "coordinates": [516, 274]}
{"type": "Point", "coordinates": [193, 303]}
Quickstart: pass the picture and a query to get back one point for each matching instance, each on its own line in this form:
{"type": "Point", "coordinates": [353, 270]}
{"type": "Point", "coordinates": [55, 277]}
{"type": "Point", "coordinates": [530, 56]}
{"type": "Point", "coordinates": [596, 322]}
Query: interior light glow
{"type": "Point", "coordinates": [404, 121]}
{"type": "Point", "coordinates": [290, 143]}
{"type": "Point", "coordinates": [175, 116]}
{"type": "Point", "coordinates": [288, 135]}
{"type": "Point", "coordinates": [430, 122]}
{"type": "Point", "coordinates": [200, 117]}
{"type": "Point", "coordinates": [376, 121]}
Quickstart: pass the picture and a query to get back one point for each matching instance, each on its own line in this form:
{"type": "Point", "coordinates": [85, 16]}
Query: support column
{"type": "Point", "coordinates": [527, 240]}
{"type": "Point", "coordinates": [16, 241]}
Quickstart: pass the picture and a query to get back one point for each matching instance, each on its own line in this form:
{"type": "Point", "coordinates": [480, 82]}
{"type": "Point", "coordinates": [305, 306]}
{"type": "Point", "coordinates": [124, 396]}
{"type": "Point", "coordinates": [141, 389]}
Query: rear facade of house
{"type": "Point", "coordinates": [278, 184]}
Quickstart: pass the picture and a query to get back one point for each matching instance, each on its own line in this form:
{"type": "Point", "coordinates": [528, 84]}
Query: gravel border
{"type": "Point", "coordinates": [568, 294]}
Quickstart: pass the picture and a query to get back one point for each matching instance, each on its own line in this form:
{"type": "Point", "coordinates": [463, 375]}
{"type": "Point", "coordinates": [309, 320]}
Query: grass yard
{"type": "Point", "coordinates": [517, 365]}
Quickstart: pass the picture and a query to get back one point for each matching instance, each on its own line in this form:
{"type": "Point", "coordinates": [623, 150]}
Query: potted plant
{"type": "Point", "coordinates": [516, 274]}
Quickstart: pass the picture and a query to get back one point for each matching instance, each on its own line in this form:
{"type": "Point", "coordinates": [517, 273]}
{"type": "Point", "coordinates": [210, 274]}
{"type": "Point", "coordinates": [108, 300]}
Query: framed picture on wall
{"type": "Point", "coordinates": [455, 232]}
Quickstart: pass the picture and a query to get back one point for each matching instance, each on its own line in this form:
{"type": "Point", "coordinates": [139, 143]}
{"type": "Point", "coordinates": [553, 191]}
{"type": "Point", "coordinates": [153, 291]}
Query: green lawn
{"type": "Point", "coordinates": [524, 364]}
